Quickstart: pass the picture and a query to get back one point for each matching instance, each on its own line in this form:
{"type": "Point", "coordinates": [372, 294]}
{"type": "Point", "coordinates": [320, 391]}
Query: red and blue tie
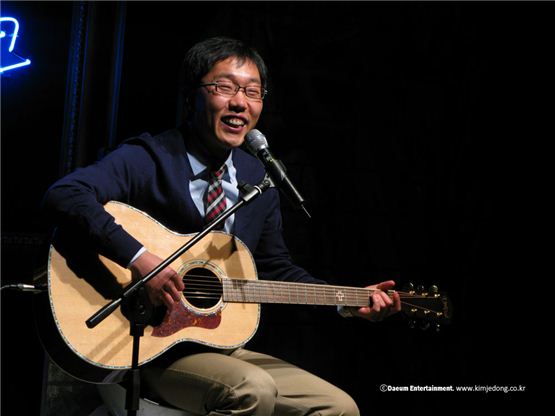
{"type": "Point", "coordinates": [214, 201]}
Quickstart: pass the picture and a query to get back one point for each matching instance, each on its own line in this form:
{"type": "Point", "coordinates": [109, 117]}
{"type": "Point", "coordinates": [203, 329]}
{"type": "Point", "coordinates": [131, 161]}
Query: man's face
{"type": "Point", "coordinates": [222, 122]}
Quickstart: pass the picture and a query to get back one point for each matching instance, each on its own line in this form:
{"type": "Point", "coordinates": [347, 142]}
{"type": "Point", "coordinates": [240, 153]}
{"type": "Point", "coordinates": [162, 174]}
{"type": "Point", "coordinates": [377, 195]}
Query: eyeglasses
{"type": "Point", "coordinates": [230, 89]}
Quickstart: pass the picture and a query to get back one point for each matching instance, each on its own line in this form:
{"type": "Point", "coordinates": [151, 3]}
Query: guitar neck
{"type": "Point", "coordinates": [265, 291]}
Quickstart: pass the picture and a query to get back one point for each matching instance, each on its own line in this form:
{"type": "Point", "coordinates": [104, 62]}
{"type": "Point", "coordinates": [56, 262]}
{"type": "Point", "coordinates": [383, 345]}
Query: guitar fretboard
{"type": "Point", "coordinates": [265, 291]}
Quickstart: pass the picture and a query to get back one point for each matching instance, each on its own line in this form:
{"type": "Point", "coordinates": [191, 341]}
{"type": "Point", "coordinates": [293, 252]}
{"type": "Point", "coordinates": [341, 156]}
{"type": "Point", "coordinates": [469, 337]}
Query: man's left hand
{"type": "Point", "coordinates": [382, 305]}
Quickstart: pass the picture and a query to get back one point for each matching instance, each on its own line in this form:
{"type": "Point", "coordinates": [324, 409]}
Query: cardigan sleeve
{"type": "Point", "coordinates": [75, 202]}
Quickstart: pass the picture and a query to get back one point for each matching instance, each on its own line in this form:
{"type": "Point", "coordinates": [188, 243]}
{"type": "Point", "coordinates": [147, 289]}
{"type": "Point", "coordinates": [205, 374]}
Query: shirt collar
{"type": "Point", "coordinates": [200, 167]}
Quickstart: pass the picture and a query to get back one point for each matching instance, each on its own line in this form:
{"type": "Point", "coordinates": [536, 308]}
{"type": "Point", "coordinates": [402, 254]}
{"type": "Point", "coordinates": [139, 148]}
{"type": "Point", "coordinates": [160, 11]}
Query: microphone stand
{"type": "Point", "coordinates": [140, 310]}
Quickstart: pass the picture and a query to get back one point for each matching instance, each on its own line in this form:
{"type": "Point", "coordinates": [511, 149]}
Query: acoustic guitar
{"type": "Point", "coordinates": [219, 308]}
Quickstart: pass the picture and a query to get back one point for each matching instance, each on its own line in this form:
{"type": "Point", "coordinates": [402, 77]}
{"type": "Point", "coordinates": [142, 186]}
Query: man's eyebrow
{"type": "Point", "coordinates": [233, 76]}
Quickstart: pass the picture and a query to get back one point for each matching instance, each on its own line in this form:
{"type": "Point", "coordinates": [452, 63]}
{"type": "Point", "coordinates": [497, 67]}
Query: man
{"type": "Point", "coordinates": [169, 176]}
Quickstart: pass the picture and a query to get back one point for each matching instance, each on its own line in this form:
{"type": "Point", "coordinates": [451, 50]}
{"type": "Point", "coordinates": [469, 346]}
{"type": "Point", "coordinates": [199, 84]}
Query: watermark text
{"type": "Point", "coordinates": [467, 388]}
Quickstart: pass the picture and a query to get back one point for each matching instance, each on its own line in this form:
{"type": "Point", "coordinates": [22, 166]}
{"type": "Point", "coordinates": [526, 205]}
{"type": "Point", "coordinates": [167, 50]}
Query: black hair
{"type": "Point", "coordinates": [202, 57]}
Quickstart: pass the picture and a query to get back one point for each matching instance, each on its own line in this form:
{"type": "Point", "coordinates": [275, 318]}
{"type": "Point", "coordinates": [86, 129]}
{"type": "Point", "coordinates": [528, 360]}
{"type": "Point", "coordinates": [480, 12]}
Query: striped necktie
{"type": "Point", "coordinates": [214, 198]}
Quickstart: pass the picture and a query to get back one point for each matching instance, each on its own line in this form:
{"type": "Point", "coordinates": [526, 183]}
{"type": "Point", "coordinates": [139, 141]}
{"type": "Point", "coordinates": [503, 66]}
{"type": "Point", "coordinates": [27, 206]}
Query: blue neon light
{"type": "Point", "coordinates": [8, 58]}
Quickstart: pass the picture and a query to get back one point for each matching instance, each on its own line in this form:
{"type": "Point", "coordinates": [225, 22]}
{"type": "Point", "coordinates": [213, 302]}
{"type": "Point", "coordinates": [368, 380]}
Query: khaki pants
{"type": "Point", "coordinates": [245, 383]}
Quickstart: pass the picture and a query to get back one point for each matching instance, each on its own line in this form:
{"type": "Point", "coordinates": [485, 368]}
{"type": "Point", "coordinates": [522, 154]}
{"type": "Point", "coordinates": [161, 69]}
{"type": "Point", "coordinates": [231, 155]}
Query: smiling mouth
{"type": "Point", "coordinates": [234, 121]}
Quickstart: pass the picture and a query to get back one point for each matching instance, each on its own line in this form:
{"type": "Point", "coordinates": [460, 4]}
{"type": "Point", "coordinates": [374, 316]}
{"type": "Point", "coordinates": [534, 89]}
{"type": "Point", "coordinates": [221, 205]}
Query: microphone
{"type": "Point", "coordinates": [257, 145]}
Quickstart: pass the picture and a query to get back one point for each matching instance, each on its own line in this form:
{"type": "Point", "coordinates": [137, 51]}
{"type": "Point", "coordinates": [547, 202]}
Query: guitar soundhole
{"type": "Point", "coordinates": [203, 289]}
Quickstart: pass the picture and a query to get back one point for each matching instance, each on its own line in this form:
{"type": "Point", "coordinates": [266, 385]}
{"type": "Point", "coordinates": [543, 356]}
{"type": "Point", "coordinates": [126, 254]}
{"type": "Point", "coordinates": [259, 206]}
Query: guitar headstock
{"type": "Point", "coordinates": [429, 307]}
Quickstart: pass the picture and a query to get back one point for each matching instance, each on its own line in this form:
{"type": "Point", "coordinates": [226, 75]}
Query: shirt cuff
{"type": "Point", "coordinates": [136, 256]}
{"type": "Point", "coordinates": [345, 311]}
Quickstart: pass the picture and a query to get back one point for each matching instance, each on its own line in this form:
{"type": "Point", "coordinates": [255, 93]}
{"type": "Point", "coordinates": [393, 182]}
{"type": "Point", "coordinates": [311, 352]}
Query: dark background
{"type": "Point", "coordinates": [413, 129]}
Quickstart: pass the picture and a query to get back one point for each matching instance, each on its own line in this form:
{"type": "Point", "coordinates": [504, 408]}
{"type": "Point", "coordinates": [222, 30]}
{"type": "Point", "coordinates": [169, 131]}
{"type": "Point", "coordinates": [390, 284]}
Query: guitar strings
{"type": "Point", "coordinates": [215, 281]}
{"type": "Point", "coordinates": [422, 308]}
{"type": "Point", "coordinates": [199, 289]}
{"type": "Point", "coordinates": [218, 286]}
{"type": "Point", "coordinates": [208, 297]}
{"type": "Point", "coordinates": [213, 289]}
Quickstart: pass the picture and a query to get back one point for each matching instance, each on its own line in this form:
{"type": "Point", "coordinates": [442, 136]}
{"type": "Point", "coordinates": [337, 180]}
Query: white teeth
{"type": "Point", "coordinates": [234, 121]}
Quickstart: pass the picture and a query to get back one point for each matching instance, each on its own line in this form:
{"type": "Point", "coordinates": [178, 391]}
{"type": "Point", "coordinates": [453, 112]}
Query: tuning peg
{"type": "Point", "coordinates": [408, 287]}
{"type": "Point", "coordinates": [420, 289]}
{"type": "Point", "coordinates": [424, 325]}
{"type": "Point", "coordinates": [434, 291]}
{"type": "Point", "coordinates": [412, 323]}
{"type": "Point", "coordinates": [437, 327]}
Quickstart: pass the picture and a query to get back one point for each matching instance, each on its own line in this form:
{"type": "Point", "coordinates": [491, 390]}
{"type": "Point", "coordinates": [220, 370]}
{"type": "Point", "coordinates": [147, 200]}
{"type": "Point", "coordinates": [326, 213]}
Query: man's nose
{"type": "Point", "coordinates": [238, 101]}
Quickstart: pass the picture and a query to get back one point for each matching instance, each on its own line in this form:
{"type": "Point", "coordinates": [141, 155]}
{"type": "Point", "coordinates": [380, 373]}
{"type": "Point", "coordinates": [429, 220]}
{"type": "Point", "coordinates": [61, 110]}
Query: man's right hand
{"type": "Point", "coordinates": [164, 288]}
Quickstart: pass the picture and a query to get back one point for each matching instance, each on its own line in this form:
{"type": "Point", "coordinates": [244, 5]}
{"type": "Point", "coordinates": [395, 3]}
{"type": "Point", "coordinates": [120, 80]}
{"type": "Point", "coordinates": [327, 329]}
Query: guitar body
{"type": "Point", "coordinates": [77, 292]}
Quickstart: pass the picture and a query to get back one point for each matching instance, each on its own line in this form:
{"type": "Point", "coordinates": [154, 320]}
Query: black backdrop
{"type": "Point", "coordinates": [412, 130]}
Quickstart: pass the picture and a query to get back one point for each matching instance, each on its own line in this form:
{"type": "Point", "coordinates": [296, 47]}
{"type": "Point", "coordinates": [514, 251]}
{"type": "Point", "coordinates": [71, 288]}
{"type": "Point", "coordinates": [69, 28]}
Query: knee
{"type": "Point", "coordinates": [342, 404]}
{"type": "Point", "coordinates": [256, 391]}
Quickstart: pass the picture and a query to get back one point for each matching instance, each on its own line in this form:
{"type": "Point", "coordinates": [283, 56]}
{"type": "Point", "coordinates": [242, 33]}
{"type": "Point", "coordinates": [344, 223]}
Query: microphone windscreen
{"type": "Point", "coordinates": [255, 141]}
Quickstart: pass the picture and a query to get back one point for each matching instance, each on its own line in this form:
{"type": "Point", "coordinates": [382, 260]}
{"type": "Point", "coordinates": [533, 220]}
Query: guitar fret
{"type": "Point", "coordinates": [280, 294]}
{"type": "Point", "coordinates": [289, 295]}
{"type": "Point", "coordinates": [251, 291]}
{"type": "Point", "coordinates": [284, 294]}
